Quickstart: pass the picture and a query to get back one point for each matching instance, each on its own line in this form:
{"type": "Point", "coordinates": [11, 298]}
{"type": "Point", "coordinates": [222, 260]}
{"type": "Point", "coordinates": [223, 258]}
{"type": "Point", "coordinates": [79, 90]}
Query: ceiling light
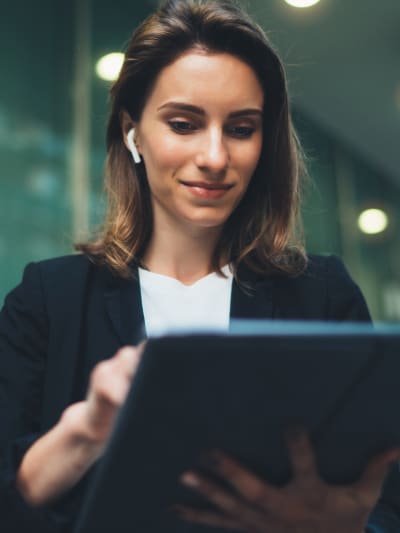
{"type": "Point", "coordinates": [302, 3]}
{"type": "Point", "coordinates": [372, 221]}
{"type": "Point", "coordinates": [109, 66]}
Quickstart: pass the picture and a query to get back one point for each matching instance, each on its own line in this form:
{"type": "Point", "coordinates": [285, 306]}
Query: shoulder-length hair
{"type": "Point", "coordinates": [263, 234]}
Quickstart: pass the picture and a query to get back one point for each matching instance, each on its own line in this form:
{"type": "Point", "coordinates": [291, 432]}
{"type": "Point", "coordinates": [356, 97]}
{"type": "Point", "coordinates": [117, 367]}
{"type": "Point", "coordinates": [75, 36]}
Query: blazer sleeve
{"type": "Point", "coordinates": [345, 300]}
{"type": "Point", "coordinates": [24, 327]}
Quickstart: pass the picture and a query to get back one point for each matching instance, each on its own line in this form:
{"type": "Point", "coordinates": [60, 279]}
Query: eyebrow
{"type": "Point", "coordinates": [180, 106]}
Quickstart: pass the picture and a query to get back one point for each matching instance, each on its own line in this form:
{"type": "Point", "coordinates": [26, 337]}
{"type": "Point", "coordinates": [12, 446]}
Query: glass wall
{"type": "Point", "coordinates": [342, 186]}
{"type": "Point", "coordinates": [52, 118]}
{"type": "Point", "coordinates": [53, 110]}
{"type": "Point", "coordinates": [35, 104]}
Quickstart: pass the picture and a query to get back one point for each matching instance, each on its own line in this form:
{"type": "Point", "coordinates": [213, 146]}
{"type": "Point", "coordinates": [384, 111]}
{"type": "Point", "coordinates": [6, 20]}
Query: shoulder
{"type": "Point", "coordinates": [326, 289]}
{"type": "Point", "coordinates": [329, 269]}
{"type": "Point", "coordinates": [58, 265]}
{"type": "Point", "coordinates": [66, 269]}
{"type": "Point", "coordinates": [320, 270]}
{"type": "Point", "coordinates": [62, 272]}
{"type": "Point", "coordinates": [52, 279]}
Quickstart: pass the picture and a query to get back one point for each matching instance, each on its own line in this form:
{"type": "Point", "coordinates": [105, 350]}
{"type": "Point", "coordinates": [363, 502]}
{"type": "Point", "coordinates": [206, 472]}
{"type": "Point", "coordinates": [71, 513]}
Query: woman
{"type": "Point", "coordinates": [203, 182]}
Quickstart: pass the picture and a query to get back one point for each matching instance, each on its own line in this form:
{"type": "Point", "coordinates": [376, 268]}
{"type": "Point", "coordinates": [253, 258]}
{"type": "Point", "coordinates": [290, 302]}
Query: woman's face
{"type": "Point", "coordinates": [200, 137]}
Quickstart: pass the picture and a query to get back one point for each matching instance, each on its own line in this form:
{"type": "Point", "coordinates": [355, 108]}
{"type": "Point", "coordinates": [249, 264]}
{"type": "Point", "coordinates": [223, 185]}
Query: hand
{"type": "Point", "coordinates": [59, 459]}
{"type": "Point", "coordinates": [305, 505]}
{"type": "Point", "coordinates": [109, 384]}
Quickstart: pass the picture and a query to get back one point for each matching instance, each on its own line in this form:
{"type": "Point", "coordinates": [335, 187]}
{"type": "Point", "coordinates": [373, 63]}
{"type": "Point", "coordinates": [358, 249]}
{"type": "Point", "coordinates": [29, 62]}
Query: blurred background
{"type": "Point", "coordinates": [342, 59]}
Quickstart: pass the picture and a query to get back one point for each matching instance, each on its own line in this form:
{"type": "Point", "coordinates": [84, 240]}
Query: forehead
{"type": "Point", "coordinates": [215, 81]}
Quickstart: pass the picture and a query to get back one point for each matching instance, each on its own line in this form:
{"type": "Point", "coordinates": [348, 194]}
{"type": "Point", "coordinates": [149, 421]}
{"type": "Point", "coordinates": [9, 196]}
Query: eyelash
{"type": "Point", "coordinates": [242, 132]}
{"type": "Point", "coordinates": [183, 127]}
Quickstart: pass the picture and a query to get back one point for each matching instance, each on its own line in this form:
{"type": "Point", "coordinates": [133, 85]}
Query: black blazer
{"type": "Point", "coordinates": [68, 314]}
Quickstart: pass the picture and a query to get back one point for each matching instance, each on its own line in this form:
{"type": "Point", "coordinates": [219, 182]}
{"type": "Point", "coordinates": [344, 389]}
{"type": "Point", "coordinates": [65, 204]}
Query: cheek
{"type": "Point", "coordinates": [163, 152]}
{"type": "Point", "coordinates": [248, 159]}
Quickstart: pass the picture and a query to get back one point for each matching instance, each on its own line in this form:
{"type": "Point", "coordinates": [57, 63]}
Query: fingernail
{"type": "Point", "coordinates": [190, 479]}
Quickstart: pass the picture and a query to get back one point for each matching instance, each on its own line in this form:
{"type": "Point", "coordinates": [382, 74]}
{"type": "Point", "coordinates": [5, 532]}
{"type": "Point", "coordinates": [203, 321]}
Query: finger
{"type": "Point", "coordinates": [301, 455]}
{"type": "Point", "coordinates": [207, 518]}
{"type": "Point", "coordinates": [109, 384]}
{"type": "Point", "coordinates": [110, 381]}
{"type": "Point", "coordinates": [128, 358]}
{"type": "Point", "coordinates": [377, 469]}
{"type": "Point", "coordinates": [231, 505]}
{"type": "Point", "coordinates": [215, 494]}
{"type": "Point", "coordinates": [248, 485]}
{"type": "Point", "coordinates": [111, 378]}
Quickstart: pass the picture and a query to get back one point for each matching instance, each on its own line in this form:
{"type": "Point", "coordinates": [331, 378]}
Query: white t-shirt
{"type": "Point", "coordinates": [169, 305]}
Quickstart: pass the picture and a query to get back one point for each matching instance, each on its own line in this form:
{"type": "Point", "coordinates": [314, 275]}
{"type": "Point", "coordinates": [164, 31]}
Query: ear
{"type": "Point", "coordinates": [127, 124]}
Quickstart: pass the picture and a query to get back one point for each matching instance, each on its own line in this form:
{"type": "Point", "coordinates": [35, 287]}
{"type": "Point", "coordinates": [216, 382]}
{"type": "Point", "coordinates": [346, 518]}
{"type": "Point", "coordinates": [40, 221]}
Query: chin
{"type": "Point", "coordinates": [208, 223]}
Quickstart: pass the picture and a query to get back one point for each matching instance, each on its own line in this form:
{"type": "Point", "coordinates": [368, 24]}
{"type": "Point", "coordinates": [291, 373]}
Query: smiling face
{"type": "Point", "coordinates": [200, 137]}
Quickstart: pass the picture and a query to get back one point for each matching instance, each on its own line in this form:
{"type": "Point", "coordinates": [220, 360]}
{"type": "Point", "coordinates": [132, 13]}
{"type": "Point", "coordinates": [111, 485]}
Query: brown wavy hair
{"type": "Point", "coordinates": [264, 233]}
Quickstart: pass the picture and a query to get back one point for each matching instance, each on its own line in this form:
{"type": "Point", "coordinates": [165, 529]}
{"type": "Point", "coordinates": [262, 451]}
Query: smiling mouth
{"type": "Point", "coordinates": [209, 192]}
{"type": "Point", "coordinates": [208, 186]}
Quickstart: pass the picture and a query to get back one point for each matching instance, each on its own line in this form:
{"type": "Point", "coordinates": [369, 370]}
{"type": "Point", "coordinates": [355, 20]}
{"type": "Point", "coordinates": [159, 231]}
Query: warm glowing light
{"type": "Point", "coordinates": [373, 221]}
{"type": "Point", "coordinates": [109, 66]}
{"type": "Point", "coordinates": [302, 3]}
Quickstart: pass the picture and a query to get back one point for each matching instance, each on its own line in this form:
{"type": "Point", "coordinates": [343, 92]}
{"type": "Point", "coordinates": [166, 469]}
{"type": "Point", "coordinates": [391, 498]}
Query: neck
{"type": "Point", "coordinates": [183, 254]}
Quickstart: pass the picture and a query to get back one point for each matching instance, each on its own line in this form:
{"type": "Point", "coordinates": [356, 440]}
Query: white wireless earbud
{"type": "Point", "coordinates": [132, 147]}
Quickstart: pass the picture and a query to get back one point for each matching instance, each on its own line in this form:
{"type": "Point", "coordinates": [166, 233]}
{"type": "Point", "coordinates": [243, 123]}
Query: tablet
{"type": "Point", "coordinates": [237, 391]}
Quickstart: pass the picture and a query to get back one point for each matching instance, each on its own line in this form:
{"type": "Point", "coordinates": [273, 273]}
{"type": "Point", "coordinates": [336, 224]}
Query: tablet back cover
{"type": "Point", "coordinates": [237, 393]}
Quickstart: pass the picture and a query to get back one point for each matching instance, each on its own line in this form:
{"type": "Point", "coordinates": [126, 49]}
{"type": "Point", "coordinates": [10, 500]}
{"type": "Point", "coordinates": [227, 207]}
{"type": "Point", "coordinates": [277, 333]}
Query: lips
{"type": "Point", "coordinates": [207, 185]}
{"type": "Point", "coordinates": [205, 190]}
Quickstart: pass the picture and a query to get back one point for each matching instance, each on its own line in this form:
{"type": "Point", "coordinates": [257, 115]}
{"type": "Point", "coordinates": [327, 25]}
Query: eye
{"type": "Point", "coordinates": [241, 132]}
{"type": "Point", "coordinates": [181, 126]}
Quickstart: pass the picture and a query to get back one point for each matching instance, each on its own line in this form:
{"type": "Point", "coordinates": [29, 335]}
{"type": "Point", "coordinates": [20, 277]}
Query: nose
{"type": "Point", "coordinates": [213, 153]}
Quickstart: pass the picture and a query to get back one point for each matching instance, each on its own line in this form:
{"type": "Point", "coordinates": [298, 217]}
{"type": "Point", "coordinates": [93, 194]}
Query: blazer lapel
{"type": "Point", "coordinates": [254, 302]}
{"type": "Point", "coordinates": [124, 308]}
